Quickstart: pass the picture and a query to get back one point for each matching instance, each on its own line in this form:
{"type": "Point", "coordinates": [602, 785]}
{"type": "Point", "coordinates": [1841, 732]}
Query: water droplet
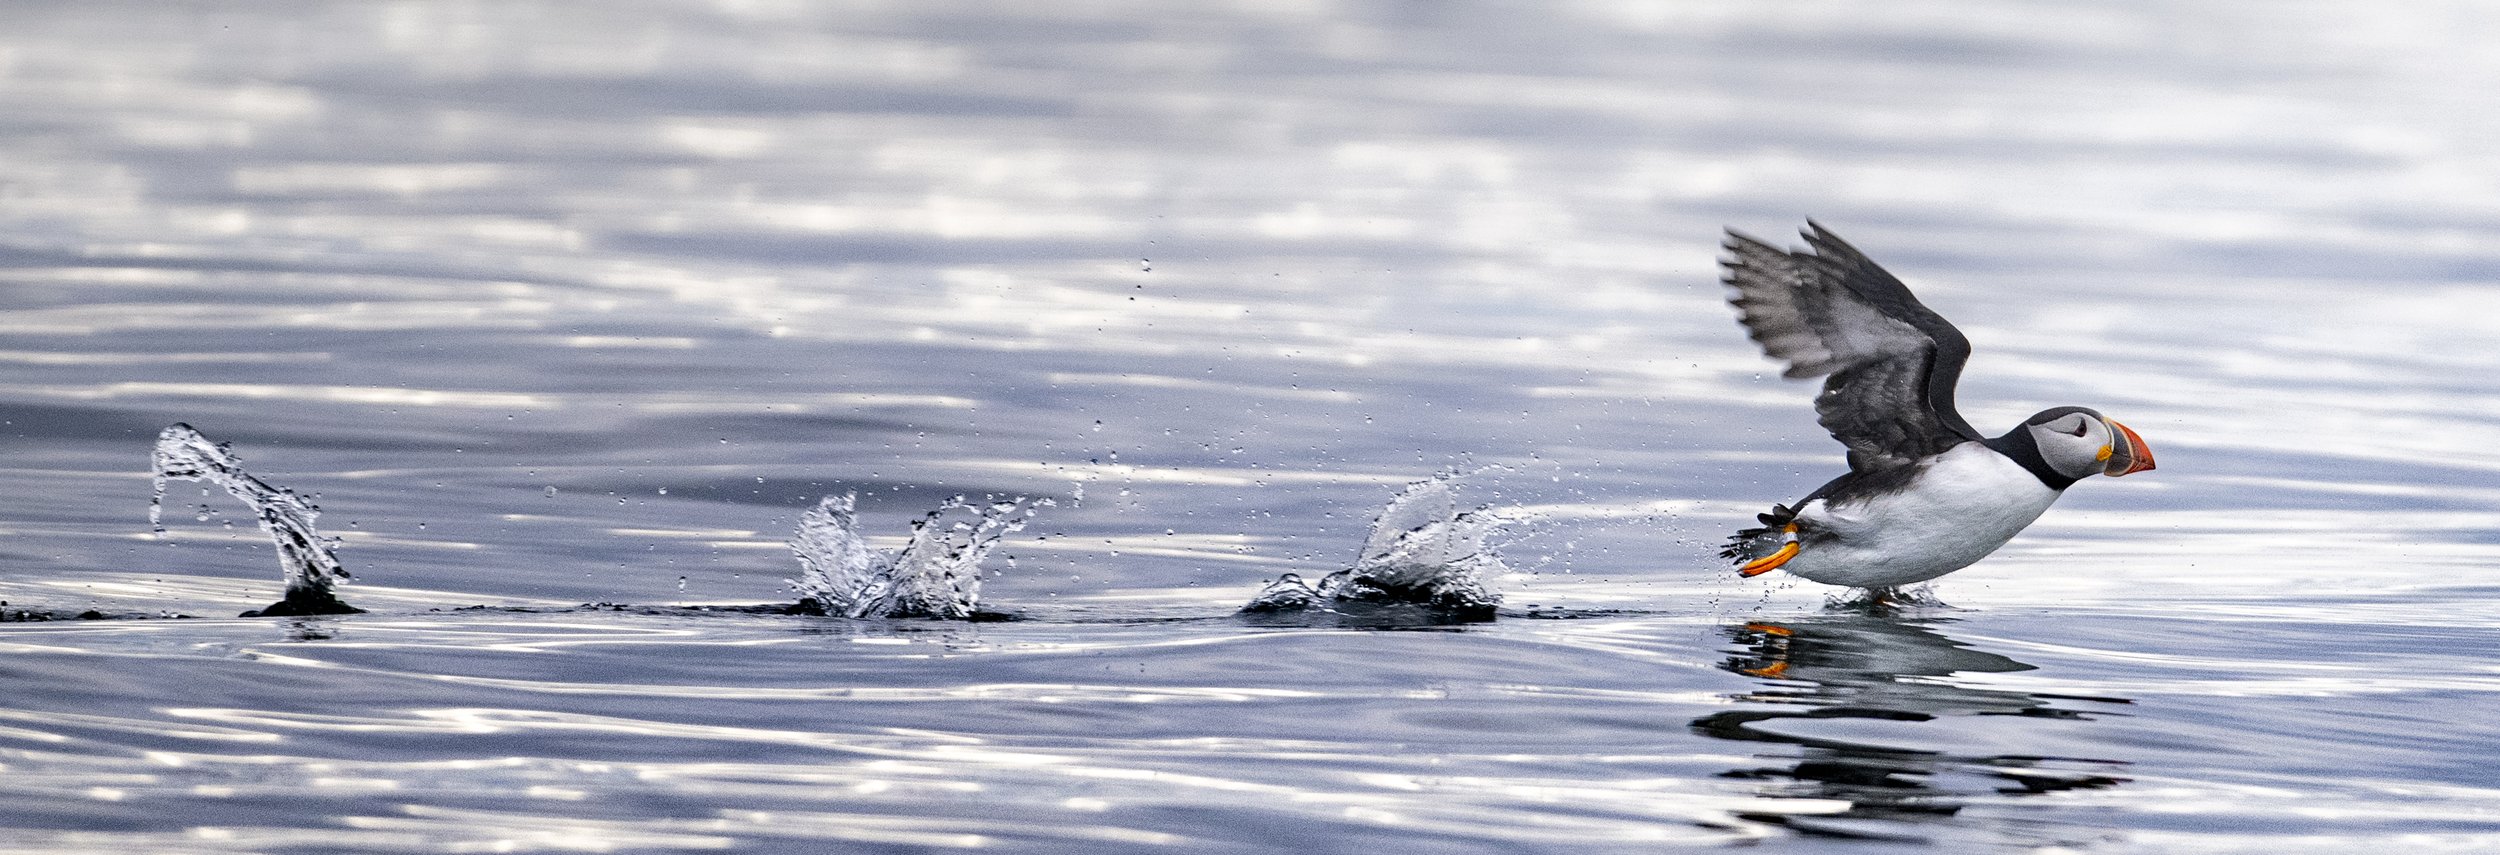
{"type": "Point", "coordinates": [551, 491]}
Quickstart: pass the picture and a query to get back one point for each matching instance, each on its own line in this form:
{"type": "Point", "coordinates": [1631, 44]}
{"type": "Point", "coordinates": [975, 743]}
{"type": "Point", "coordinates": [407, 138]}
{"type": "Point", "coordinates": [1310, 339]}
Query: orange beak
{"type": "Point", "coordinates": [2127, 452]}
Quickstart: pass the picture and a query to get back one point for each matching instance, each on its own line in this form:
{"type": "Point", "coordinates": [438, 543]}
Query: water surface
{"type": "Point", "coordinates": [551, 304]}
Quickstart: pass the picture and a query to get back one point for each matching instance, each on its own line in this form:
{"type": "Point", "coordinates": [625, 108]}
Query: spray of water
{"type": "Point", "coordinates": [936, 575]}
{"type": "Point", "coordinates": [1422, 551]}
{"type": "Point", "coordinates": [304, 556]}
{"type": "Point", "coordinates": [836, 567]}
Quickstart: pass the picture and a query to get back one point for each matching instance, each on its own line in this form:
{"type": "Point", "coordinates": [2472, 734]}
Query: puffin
{"type": "Point", "coordinates": [1925, 493]}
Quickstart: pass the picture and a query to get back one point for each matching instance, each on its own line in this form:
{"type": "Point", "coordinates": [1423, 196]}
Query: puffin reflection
{"type": "Point", "coordinates": [1880, 667]}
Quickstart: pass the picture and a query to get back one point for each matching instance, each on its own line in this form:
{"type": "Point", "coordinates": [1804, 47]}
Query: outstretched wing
{"type": "Point", "coordinates": [1892, 362]}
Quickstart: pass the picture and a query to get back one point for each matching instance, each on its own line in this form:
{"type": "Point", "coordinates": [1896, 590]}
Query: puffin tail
{"type": "Point", "coordinates": [1754, 544]}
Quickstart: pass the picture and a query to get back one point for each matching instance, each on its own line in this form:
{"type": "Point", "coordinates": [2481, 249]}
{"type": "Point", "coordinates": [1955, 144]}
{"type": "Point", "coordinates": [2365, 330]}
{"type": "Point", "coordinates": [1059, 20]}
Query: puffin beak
{"type": "Point", "coordinates": [2127, 452]}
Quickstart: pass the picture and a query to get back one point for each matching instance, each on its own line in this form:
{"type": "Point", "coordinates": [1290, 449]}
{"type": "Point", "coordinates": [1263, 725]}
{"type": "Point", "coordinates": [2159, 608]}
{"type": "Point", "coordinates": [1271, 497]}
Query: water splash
{"type": "Point", "coordinates": [304, 556]}
{"type": "Point", "coordinates": [936, 575]}
{"type": "Point", "coordinates": [1421, 552]}
{"type": "Point", "coordinates": [1904, 600]}
{"type": "Point", "coordinates": [837, 569]}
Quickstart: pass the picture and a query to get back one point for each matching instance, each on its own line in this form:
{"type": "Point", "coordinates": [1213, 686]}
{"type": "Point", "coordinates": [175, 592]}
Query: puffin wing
{"type": "Point", "coordinates": [1892, 363]}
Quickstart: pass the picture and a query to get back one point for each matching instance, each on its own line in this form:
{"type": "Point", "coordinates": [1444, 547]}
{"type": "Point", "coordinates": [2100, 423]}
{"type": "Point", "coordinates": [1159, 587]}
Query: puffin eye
{"type": "Point", "coordinates": [2082, 426]}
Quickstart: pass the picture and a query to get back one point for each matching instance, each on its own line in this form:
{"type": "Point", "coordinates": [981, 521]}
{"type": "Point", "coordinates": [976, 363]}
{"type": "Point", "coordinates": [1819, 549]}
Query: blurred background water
{"type": "Point", "coordinates": [549, 304]}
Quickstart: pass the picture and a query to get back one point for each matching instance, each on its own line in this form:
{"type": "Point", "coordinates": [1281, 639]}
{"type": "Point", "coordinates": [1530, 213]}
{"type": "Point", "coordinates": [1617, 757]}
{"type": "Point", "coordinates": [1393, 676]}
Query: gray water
{"type": "Point", "coordinates": [546, 305]}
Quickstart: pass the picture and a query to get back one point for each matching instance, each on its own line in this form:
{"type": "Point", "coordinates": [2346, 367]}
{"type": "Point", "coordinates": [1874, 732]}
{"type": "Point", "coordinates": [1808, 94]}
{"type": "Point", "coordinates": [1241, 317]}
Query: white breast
{"type": "Point", "coordinates": [1968, 501]}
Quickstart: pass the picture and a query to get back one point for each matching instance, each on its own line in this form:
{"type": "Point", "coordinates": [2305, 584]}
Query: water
{"type": "Point", "coordinates": [838, 573]}
{"type": "Point", "coordinates": [935, 575]}
{"type": "Point", "coordinates": [1423, 555]}
{"type": "Point", "coordinates": [548, 305]}
{"type": "Point", "coordinates": [310, 571]}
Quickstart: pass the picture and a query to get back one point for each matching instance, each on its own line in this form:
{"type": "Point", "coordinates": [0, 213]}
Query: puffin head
{"type": "Point", "coordinates": [2079, 442]}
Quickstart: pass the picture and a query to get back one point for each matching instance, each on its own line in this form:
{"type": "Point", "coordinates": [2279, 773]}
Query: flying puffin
{"type": "Point", "coordinates": [1925, 494]}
